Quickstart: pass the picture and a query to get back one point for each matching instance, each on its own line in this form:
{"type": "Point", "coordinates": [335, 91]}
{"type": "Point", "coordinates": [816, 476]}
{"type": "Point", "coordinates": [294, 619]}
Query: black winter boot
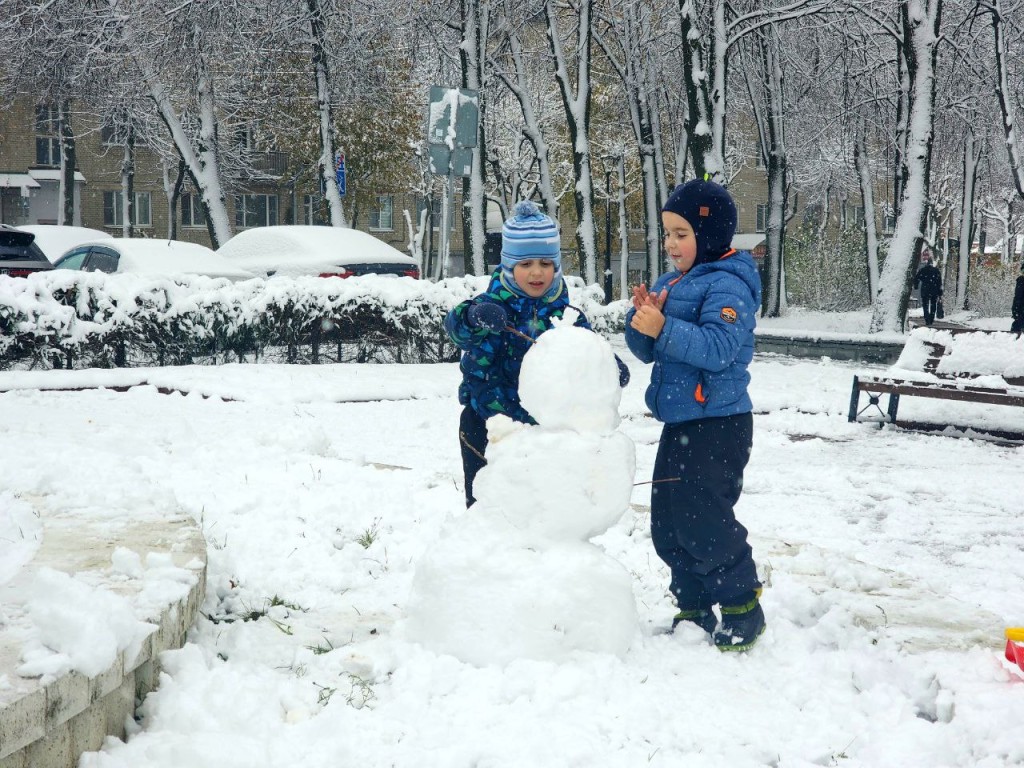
{"type": "Point", "coordinates": [741, 625]}
{"type": "Point", "coordinates": [702, 617]}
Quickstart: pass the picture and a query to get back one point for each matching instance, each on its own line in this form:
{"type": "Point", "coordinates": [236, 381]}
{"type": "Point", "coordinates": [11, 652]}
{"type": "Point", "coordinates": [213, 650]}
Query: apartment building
{"type": "Point", "coordinates": [30, 185]}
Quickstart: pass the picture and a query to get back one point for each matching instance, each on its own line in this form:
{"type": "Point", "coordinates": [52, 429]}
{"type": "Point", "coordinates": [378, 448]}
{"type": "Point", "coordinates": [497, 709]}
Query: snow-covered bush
{"type": "Point", "coordinates": [70, 319]}
{"type": "Point", "coordinates": [826, 271]}
{"type": "Point", "coordinates": [990, 289]}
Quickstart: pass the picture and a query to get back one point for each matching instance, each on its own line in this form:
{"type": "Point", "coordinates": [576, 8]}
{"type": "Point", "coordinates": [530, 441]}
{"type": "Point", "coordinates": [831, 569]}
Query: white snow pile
{"type": "Point", "coordinates": [77, 626]}
{"type": "Point", "coordinates": [990, 358]}
{"type": "Point", "coordinates": [515, 576]}
{"type": "Point", "coordinates": [20, 535]}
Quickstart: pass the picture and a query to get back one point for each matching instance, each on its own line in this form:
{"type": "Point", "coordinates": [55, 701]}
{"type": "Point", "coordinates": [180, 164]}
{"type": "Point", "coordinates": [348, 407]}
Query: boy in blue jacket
{"type": "Point", "coordinates": [697, 325]}
{"type": "Point", "coordinates": [497, 328]}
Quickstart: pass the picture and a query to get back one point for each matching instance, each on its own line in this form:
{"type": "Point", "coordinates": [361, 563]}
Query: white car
{"type": "Point", "coordinates": [298, 250]}
{"type": "Point", "coordinates": [150, 257]}
{"type": "Point", "coordinates": [54, 240]}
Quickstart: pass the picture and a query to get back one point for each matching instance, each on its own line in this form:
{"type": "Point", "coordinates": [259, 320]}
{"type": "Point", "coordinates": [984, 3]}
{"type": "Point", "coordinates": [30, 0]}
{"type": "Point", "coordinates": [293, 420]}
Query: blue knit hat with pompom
{"type": "Point", "coordinates": [529, 234]}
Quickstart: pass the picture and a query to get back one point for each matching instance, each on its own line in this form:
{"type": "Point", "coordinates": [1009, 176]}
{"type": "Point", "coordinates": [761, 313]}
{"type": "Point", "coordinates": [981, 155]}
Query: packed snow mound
{"type": "Point", "coordinates": [487, 599]}
{"type": "Point", "coordinates": [569, 380]}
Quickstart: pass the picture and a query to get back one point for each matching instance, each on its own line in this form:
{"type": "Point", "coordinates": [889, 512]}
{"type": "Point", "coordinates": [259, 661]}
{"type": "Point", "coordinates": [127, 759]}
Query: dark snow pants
{"type": "Point", "coordinates": [473, 442]}
{"type": "Point", "coordinates": [929, 303]}
{"type": "Point", "coordinates": [693, 525]}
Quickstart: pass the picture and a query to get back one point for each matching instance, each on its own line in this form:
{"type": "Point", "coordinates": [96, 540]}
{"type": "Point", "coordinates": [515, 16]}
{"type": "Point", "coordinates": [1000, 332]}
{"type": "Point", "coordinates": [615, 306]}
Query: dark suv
{"type": "Point", "coordinates": [19, 255]}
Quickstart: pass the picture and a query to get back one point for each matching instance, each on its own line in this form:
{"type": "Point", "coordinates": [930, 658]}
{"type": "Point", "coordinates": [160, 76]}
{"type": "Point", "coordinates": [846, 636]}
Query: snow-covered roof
{"type": "Point", "coordinates": [295, 249]}
{"type": "Point", "coordinates": [747, 242]}
{"type": "Point", "coordinates": [56, 240]}
{"type": "Point", "coordinates": [51, 174]}
{"type": "Point", "coordinates": [21, 181]}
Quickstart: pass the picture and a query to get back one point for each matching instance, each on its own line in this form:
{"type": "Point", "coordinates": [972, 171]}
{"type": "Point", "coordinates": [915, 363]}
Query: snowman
{"type": "Point", "coordinates": [515, 576]}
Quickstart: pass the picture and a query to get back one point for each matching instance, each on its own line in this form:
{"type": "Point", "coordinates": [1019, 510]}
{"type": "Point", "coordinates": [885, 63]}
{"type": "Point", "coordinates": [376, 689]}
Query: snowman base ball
{"type": "Point", "coordinates": [513, 602]}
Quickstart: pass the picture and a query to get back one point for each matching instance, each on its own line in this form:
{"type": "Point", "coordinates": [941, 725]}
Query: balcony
{"type": "Point", "coordinates": [273, 164]}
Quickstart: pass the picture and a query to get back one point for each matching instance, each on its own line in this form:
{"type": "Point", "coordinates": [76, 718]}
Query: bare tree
{"type": "Point", "coordinates": [918, 35]}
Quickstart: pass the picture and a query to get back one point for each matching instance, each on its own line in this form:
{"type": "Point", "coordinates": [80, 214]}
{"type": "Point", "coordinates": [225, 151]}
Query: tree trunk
{"type": "Point", "coordinates": [921, 20]}
{"type": "Point", "coordinates": [972, 157]}
{"type": "Point", "coordinates": [328, 144]}
{"type": "Point", "coordinates": [576, 103]}
{"type": "Point", "coordinates": [867, 195]}
{"type": "Point", "coordinates": [68, 161]}
{"type": "Point", "coordinates": [128, 185]}
{"type": "Point", "coordinates": [473, 57]}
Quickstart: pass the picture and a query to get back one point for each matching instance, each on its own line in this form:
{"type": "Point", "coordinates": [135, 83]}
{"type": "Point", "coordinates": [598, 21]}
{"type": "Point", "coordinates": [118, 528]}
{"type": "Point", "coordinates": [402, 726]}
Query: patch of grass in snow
{"type": "Point", "coordinates": [370, 535]}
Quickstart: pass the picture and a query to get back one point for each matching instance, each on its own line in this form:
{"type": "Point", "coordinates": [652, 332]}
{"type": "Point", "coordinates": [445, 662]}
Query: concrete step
{"type": "Point", "coordinates": [49, 721]}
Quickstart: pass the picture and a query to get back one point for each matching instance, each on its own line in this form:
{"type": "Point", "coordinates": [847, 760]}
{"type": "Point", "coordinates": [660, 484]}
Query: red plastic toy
{"type": "Point", "coordinates": [1015, 646]}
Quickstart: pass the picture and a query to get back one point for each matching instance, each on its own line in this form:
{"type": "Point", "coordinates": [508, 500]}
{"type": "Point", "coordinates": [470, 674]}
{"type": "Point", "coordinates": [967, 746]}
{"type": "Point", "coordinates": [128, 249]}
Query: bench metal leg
{"type": "Point", "coordinates": [894, 404]}
{"type": "Point", "coordinates": [854, 400]}
{"type": "Point", "coordinates": [873, 400]}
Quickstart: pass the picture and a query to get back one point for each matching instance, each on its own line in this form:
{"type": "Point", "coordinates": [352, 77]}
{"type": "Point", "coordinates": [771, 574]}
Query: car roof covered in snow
{"type": "Point", "coordinates": [148, 256]}
{"type": "Point", "coordinates": [295, 249]}
{"type": "Point", "coordinates": [55, 240]}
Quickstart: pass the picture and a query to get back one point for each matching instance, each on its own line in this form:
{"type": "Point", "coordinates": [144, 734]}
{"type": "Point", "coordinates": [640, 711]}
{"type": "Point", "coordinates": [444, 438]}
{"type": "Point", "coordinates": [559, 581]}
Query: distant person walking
{"type": "Point", "coordinates": [929, 279]}
{"type": "Point", "coordinates": [1018, 304]}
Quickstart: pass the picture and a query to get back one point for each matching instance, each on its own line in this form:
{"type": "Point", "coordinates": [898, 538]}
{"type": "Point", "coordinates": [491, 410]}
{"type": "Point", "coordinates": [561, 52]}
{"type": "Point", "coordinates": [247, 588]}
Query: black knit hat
{"type": "Point", "coordinates": [709, 209]}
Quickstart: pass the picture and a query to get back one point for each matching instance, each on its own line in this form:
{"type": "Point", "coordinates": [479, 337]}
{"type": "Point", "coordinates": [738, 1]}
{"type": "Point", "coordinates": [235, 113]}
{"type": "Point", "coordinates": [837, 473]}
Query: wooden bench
{"type": "Point", "coordinates": [957, 364]}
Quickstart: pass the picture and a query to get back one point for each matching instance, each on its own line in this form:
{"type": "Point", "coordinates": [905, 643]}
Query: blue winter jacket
{"type": "Point", "coordinates": [701, 355]}
{"type": "Point", "coordinates": [491, 361]}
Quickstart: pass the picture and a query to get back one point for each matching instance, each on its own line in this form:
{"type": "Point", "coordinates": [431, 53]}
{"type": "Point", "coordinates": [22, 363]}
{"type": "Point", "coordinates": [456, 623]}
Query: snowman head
{"type": "Point", "coordinates": [569, 380]}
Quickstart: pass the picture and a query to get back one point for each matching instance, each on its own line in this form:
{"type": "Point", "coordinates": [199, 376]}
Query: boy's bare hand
{"type": "Point", "coordinates": [648, 319]}
{"type": "Point", "coordinates": [643, 297]}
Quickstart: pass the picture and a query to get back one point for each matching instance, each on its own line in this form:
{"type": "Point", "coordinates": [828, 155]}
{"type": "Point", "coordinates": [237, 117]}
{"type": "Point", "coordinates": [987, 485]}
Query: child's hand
{"type": "Point", "coordinates": [648, 320]}
{"type": "Point", "coordinates": [641, 297]}
{"type": "Point", "coordinates": [487, 315]}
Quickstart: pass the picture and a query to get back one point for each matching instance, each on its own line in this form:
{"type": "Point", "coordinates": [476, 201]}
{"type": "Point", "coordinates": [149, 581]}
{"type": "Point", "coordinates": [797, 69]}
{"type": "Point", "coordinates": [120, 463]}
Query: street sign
{"type": "Point", "coordinates": [461, 161]}
{"type": "Point", "coordinates": [465, 103]}
{"type": "Point", "coordinates": [339, 172]}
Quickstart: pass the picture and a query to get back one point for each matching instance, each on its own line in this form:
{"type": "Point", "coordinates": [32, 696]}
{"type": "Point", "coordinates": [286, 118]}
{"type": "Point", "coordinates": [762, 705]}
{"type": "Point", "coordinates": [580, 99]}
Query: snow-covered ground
{"type": "Point", "coordinates": [894, 562]}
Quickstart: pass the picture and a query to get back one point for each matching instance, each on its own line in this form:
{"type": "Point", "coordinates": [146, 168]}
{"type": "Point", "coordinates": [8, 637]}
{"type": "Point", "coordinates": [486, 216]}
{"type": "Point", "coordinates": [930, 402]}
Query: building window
{"type": "Point", "coordinates": [888, 223]}
{"type": "Point", "coordinates": [312, 205]}
{"type": "Point", "coordinates": [47, 135]}
{"type": "Point", "coordinates": [192, 214]}
{"type": "Point", "coordinates": [853, 215]}
{"type": "Point", "coordinates": [762, 217]}
{"type": "Point", "coordinates": [381, 215]}
{"type": "Point", "coordinates": [244, 137]}
{"type": "Point", "coordinates": [113, 209]}
{"type": "Point", "coordinates": [255, 210]}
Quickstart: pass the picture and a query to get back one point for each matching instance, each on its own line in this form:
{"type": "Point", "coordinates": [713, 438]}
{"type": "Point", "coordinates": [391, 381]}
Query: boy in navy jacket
{"type": "Point", "coordinates": [697, 325]}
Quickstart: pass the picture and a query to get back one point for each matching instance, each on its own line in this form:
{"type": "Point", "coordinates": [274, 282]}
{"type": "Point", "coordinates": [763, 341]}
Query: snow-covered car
{"type": "Point", "coordinates": [295, 250]}
{"type": "Point", "coordinates": [19, 254]}
{"type": "Point", "coordinates": [150, 257]}
{"type": "Point", "coordinates": [54, 240]}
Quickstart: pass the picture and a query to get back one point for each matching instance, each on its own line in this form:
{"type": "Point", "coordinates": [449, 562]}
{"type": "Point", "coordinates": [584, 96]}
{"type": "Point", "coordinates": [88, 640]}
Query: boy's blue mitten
{"type": "Point", "coordinates": [623, 372]}
{"type": "Point", "coordinates": [487, 315]}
